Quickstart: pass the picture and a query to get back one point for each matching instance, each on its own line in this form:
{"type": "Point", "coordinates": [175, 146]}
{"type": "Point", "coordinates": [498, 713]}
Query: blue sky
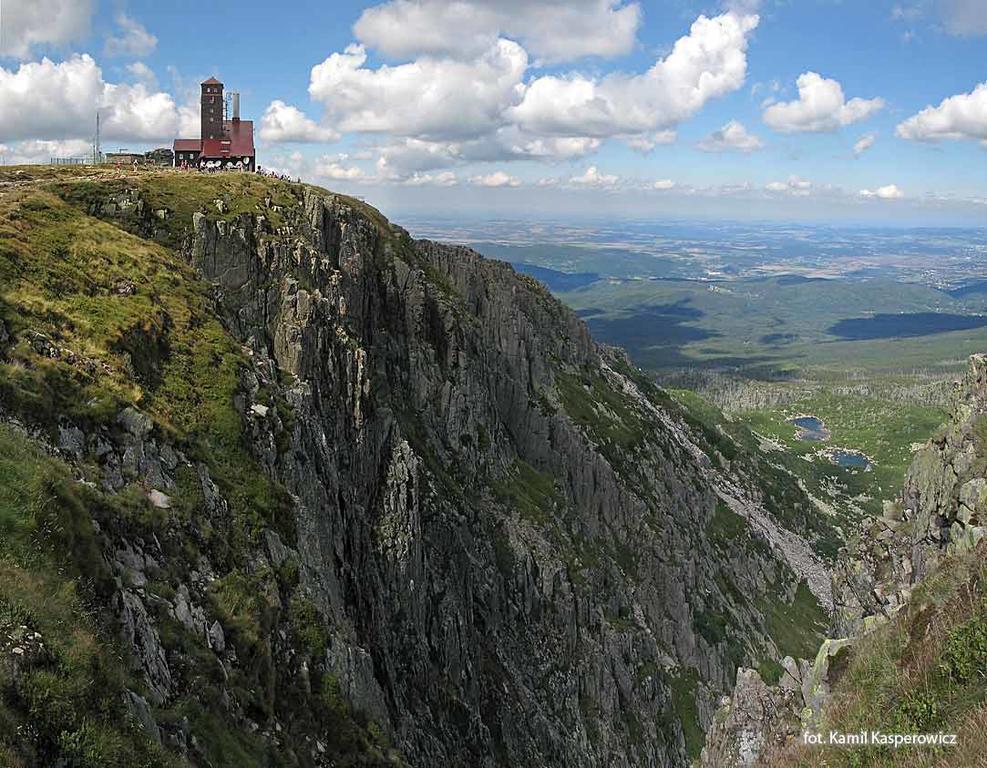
{"type": "Point", "coordinates": [751, 109]}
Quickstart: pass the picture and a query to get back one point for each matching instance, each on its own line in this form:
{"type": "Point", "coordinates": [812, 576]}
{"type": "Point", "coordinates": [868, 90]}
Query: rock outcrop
{"type": "Point", "coordinates": [750, 719]}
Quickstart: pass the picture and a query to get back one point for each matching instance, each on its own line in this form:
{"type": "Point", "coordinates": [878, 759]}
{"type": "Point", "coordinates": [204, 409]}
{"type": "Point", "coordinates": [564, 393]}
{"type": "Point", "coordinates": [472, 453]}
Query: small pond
{"type": "Point", "coordinates": [850, 459]}
{"type": "Point", "coordinates": [810, 428]}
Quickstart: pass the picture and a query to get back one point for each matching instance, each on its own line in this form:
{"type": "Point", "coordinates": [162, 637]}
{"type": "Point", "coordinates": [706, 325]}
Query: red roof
{"type": "Point", "coordinates": [238, 141]}
{"type": "Point", "coordinates": [211, 81]}
{"type": "Point", "coordinates": [213, 148]}
{"type": "Point", "coordinates": [241, 133]}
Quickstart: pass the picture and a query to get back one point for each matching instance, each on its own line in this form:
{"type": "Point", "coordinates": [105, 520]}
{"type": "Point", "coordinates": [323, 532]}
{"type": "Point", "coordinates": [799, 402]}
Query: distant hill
{"type": "Point", "coordinates": [971, 289]}
{"type": "Point", "coordinates": [556, 280]}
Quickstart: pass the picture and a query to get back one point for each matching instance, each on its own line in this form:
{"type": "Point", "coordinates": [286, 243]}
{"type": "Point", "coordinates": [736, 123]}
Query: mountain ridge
{"type": "Point", "coordinates": [387, 483]}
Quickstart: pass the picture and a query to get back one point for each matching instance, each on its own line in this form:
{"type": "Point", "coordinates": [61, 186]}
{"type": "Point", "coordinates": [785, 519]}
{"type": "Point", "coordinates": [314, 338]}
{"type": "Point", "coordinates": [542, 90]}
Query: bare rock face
{"type": "Point", "coordinates": [755, 716]}
{"type": "Point", "coordinates": [518, 550]}
{"type": "Point", "coordinates": [507, 534]}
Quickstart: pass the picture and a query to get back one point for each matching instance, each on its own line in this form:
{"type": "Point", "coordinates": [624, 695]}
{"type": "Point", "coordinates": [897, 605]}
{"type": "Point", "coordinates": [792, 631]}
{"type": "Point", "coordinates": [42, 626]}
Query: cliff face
{"type": "Point", "coordinates": [386, 500]}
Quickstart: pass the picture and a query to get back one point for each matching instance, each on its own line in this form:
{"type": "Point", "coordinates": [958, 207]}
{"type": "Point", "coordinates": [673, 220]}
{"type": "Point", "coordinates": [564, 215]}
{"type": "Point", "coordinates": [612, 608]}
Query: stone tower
{"type": "Point", "coordinates": [211, 109]}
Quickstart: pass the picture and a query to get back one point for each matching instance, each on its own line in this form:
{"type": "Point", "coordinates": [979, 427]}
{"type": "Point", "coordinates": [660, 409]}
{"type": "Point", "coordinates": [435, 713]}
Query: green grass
{"type": "Point", "coordinates": [796, 627]}
{"type": "Point", "coordinates": [770, 671]}
{"type": "Point", "coordinates": [22, 494]}
{"type": "Point", "coordinates": [725, 527]}
{"type": "Point", "coordinates": [776, 475]}
{"type": "Point", "coordinates": [67, 701]}
{"type": "Point", "coordinates": [922, 672]}
{"type": "Point", "coordinates": [683, 686]}
{"type": "Point", "coordinates": [532, 493]}
{"type": "Point", "coordinates": [794, 619]}
{"type": "Point", "coordinates": [881, 428]}
{"type": "Point", "coordinates": [712, 626]}
{"type": "Point", "coordinates": [180, 195]}
{"type": "Point", "coordinates": [61, 270]}
{"type": "Point", "coordinates": [611, 419]}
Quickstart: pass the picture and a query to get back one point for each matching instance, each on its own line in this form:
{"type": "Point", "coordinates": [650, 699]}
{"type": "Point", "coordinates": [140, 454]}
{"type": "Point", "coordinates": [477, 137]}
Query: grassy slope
{"type": "Point", "coordinates": [100, 319]}
{"type": "Point", "coordinates": [65, 698]}
{"type": "Point", "coordinates": [882, 429]}
{"type": "Point", "coordinates": [776, 474]}
{"type": "Point", "coordinates": [924, 672]}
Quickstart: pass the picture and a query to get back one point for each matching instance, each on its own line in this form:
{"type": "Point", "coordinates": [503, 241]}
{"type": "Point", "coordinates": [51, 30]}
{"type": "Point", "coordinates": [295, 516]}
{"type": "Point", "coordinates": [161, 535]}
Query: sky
{"type": "Point", "coordinates": [862, 112]}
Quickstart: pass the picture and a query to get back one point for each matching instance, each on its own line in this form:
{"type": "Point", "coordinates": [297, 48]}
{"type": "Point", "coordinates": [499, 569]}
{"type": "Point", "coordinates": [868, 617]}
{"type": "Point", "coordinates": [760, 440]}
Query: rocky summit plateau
{"type": "Point", "coordinates": [282, 486]}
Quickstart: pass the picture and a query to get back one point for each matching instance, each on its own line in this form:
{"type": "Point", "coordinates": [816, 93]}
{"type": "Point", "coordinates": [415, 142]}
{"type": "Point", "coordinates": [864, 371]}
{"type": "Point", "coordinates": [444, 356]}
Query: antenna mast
{"type": "Point", "coordinates": [97, 150]}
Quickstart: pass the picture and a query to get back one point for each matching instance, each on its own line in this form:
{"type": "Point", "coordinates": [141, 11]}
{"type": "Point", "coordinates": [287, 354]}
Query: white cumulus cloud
{"type": "Point", "coordinates": [887, 192]}
{"type": "Point", "coordinates": [496, 179]}
{"type": "Point", "coordinates": [732, 136]}
{"type": "Point", "coordinates": [283, 122]}
{"type": "Point", "coordinates": [820, 107]}
{"type": "Point", "coordinates": [864, 143]}
{"type": "Point", "coordinates": [461, 100]}
{"type": "Point", "coordinates": [29, 24]}
{"type": "Point", "coordinates": [663, 184]}
{"type": "Point", "coordinates": [426, 98]}
{"type": "Point", "coordinates": [963, 116]}
{"type": "Point", "coordinates": [132, 40]}
{"type": "Point", "coordinates": [553, 30]}
{"type": "Point", "coordinates": [709, 62]}
{"type": "Point", "coordinates": [45, 100]}
{"type": "Point", "coordinates": [593, 178]}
